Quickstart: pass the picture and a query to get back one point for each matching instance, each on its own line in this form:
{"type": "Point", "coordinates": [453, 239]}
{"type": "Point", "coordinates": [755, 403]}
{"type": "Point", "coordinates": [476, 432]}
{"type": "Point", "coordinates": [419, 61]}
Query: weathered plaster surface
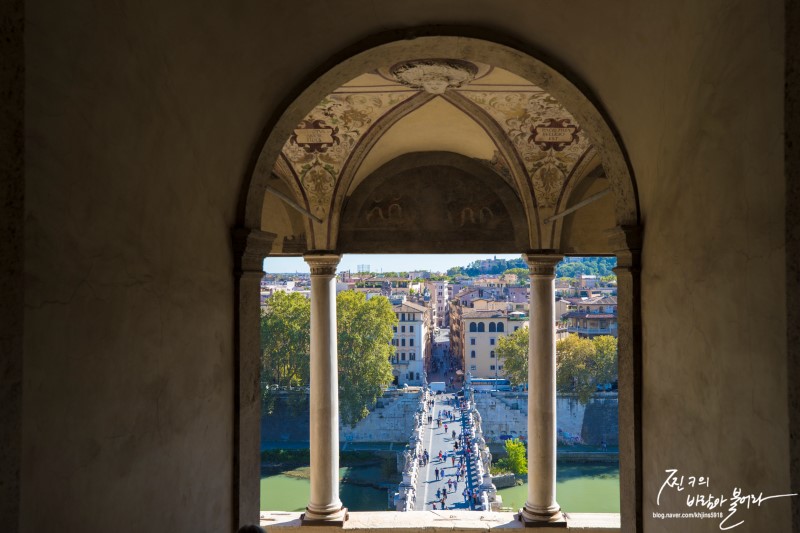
{"type": "Point", "coordinates": [12, 187]}
{"type": "Point", "coordinates": [792, 144]}
{"type": "Point", "coordinates": [141, 123]}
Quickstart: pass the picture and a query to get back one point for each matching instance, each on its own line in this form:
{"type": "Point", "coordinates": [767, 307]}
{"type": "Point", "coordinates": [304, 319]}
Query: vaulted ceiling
{"type": "Point", "coordinates": [522, 133]}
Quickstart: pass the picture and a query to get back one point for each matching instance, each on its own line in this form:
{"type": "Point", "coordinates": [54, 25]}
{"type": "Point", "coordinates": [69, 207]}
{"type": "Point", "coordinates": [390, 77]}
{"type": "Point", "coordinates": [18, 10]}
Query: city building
{"type": "Point", "coordinates": [412, 342]}
{"type": "Point", "coordinates": [593, 317]}
{"type": "Point", "coordinates": [480, 332]}
{"type": "Point", "coordinates": [440, 292]}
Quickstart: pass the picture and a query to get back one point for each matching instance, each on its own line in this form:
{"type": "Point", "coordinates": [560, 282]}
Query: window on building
{"type": "Point", "coordinates": [418, 375]}
{"type": "Point", "coordinates": [402, 342]}
{"type": "Point", "coordinates": [472, 354]}
{"type": "Point", "coordinates": [402, 356]}
{"type": "Point", "coordinates": [491, 354]}
{"type": "Point", "coordinates": [472, 341]}
{"type": "Point", "coordinates": [500, 367]}
{"type": "Point", "coordinates": [491, 341]}
{"type": "Point", "coordinates": [481, 327]}
{"type": "Point", "coordinates": [394, 328]}
{"type": "Point", "coordinates": [402, 329]}
{"type": "Point", "coordinates": [473, 367]}
{"type": "Point", "coordinates": [411, 342]}
{"type": "Point", "coordinates": [412, 356]}
{"type": "Point", "coordinates": [473, 327]}
{"type": "Point", "coordinates": [501, 327]}
{"type": "Point", "coordinates": [411, 329]}
{"type": "Point", "coordinates": [492, 327]}
{"type": "Point", "coordinates": [516, 328]}
{"type": "Point", "coordinates": [491, 367]}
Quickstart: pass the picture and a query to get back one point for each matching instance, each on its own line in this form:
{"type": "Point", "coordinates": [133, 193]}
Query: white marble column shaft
{"type": "Point", "coordinates": [541, 504]}
{"type": "Point", "coordinates": [324, 503]}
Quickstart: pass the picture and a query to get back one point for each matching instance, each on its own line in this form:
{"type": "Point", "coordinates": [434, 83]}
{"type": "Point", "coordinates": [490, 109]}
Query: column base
{"type": "Point", "coordinates": [534, 519]}
{"type": "Point", "coordinates": [336, 518]}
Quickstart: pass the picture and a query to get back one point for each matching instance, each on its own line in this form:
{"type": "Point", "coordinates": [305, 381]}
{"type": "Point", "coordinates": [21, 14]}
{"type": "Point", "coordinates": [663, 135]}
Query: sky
{"type": "Point", "coordinates": [385, 262]}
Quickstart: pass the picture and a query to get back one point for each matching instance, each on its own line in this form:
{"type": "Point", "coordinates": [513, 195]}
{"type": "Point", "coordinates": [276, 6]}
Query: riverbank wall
{"type": "Point", "coordinates": [390, 421]}
{"type": "Point", "coordinates": [505, 414]}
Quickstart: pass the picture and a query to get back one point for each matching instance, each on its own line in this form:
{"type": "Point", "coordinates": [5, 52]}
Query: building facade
{"type": "Point", "coordinates": [412, 343]}
{"type": "Point", "coordinates": [593, 317]}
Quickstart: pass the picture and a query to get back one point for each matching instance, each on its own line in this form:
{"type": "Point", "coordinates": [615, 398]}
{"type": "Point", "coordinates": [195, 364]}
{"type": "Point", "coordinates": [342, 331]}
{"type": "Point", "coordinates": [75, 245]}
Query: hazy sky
{"type": "Point", "coordinates": [386, 262]}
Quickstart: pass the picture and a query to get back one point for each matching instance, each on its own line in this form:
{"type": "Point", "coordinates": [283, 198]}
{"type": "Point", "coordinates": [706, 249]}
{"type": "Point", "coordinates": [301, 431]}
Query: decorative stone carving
{"type": "Point", "coordinates": [322, 264]}
{"type": "Point", "coordinates": [543, 264]}
{"type": "Point", "coordinates": [434, 76]}
{"type": "Point", "coordinates": [471, 206]}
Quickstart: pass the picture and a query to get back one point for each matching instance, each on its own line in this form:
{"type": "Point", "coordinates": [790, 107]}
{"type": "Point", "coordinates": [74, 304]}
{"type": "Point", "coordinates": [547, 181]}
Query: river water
{"type": "Point", "coordinates": [580, 488]}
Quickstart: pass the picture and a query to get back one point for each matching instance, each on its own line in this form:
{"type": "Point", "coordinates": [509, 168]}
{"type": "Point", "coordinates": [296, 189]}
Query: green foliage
{"type": "Point", "coordinates": [591, 266]}
{"type": "Point", "coordinates": [516, 459]}
{"type": "Point", "coordinates": [512, 350]}
{"type": "Point", "coordinates": [455, 271]}
{"type": "Point", "coordinates": [285, 339]}
{"type": "Point", "coordinates": [521, 274]}
{"type": "Point", "coordinates": [365, 336]}
{"type": "Point", "coordinates": [583, 364]}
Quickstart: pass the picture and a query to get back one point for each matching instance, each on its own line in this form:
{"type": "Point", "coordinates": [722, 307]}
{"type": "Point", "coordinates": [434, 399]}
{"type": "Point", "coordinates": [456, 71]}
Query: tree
{"type": "Point", "coordinates": [583, 364]}
{"type": "Point", "coordinates": [285, 344]}
{"type": "Point", "coordinates": [605, 359]}
{"type": "Point", "coordinates": [365, 335]}
{"type": "Point", "coordinates": [516, 459]}
{"type": "Point", "coordinates": [285, 339]}
{"type": "Point", "coordinates": [520, 273]}
{"type": "Point", "coordinates": [512, 350]}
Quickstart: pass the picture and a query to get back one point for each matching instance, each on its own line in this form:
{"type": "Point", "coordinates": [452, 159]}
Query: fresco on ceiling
{"type": "Point", "coordinates": [320, 145]}
{"type": "Point", "coordinates": [547, 138]}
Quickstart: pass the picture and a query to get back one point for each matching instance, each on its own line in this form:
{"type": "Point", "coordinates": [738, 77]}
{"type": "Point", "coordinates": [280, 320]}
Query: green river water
{"type": "Point", "coordinates": [580, 488]}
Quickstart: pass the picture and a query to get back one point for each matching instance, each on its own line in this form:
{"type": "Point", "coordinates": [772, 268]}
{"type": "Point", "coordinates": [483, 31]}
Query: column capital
{"type": "Point", "coordinates": [322, 263]}
{"type": "Point", "coordinates": [543, 262]}
{"type": "Point", "coordinates": [250, 247]}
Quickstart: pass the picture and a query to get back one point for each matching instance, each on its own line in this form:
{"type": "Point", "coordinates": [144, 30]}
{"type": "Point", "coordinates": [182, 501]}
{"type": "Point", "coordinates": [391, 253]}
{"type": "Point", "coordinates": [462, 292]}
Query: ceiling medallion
{"type": "Point", "coordinates": [434, 76]}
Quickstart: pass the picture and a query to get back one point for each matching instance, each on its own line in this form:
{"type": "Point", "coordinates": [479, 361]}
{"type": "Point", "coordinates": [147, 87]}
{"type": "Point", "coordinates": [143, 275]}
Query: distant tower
{"type": "Point", "coordinates": [363, 268]}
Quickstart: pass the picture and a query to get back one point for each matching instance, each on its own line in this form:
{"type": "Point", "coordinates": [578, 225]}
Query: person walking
{"type": "Point", "coordinates": [436, 472]}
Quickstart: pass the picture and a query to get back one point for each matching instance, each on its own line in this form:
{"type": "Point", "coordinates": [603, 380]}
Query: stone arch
{"type": "Point", "coordinates": [252, 244]}
{"type": "Point", "coordinates": [591, 118]}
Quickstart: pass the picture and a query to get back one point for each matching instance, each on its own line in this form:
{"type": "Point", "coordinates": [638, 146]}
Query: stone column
{"type": "Point", "coordinates": [250, 248]}
{"type": "Point", "coordinates": [541, 505]}
{"type": "Point", "coordinates": [324, 504]}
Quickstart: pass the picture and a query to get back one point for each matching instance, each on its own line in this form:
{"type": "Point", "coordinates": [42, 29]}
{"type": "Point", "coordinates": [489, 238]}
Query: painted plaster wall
{"type": "Point", "coordinates": [141, 120]}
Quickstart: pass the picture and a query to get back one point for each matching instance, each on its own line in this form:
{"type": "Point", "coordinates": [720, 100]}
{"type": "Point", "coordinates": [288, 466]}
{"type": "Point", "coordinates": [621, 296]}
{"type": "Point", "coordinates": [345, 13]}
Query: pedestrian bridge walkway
{"type": "Point", "coordinates": [447, 476]}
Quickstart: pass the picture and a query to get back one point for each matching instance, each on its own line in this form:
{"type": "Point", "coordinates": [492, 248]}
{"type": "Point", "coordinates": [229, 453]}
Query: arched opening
{"type": "Point", "coordinates": [543, 169]}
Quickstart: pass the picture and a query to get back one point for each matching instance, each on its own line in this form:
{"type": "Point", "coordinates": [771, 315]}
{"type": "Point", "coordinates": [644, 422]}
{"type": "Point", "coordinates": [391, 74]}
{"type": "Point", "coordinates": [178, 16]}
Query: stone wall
{"type": "Point", "coordinates": [391, 420]}
{"type": "Point", "coordinates": [505, 413]}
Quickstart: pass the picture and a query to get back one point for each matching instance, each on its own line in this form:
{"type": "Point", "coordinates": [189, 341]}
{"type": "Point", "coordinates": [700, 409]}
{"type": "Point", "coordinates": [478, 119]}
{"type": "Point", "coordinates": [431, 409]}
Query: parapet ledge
{"type": "Point", "coordinates": [424, 521]}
